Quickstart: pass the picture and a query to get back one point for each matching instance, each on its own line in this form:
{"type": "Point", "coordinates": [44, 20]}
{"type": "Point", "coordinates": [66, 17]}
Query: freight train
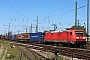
{"type": "Point", "coordinates": [68, 37]}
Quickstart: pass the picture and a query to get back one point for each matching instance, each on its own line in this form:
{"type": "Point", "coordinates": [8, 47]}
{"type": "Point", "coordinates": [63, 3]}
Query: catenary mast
{"type": "Point", "coordinates": [87, 19]}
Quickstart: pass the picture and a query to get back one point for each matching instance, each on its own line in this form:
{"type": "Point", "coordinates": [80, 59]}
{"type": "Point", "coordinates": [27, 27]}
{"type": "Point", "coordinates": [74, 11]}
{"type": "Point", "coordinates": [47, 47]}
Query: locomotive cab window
{"type": "Point", "coordinates": [70, 33]}
{"type": "Point", "coordinates": [79, 33]}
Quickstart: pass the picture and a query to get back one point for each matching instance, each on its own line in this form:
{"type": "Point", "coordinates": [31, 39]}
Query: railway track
{"type": "Point", "coordinates": [66, 51]}
{"type": "Point", "coordinates": [31, 55]}
{"type": "Point", "coordinates": [23, 52]}
{"type": "Point", "coordinates": [71, 52]}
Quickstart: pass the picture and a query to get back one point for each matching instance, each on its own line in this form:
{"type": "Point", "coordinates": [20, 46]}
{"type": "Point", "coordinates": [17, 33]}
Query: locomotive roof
{"type": "Point", "coordinates": [66, 31]}
{"type": "Point", "coordinates": [55, 31]}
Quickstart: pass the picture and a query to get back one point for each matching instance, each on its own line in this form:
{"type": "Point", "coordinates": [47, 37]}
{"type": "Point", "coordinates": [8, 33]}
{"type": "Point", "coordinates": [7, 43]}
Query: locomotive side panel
{"type": "Point", "coordinates": [63, 36]}
{"type": "Point", "coordinates": [56, 36]}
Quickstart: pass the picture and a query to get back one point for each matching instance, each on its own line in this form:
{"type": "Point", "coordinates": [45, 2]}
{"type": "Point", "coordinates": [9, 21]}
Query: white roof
{"type": "Point", "coordinates": [55, 31]}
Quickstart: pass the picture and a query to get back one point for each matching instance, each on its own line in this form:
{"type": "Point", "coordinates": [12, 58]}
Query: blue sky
{"type": "Point", "coordinates": [21, 13]}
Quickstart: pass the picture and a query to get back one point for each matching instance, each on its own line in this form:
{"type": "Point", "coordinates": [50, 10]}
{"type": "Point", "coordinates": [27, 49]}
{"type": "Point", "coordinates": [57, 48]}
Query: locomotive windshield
{"type": "Point", "coordinates": [79, 33]}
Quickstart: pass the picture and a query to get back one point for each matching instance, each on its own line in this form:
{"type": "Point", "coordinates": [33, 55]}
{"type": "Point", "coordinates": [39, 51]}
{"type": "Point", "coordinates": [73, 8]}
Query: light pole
{"type": "Point", "coordinates": [85, 27]}
{"type": "Point", "coordinates": [9, 28]}
{"type": "Point", "coordinates": [5, 28]}
{"type": "Point", "coordinates": [37, 24]}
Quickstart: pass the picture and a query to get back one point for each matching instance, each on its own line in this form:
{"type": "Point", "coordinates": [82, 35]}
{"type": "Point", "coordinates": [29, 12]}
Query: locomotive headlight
{"type": "Point", "coordinates": [84, 37]}
{"type": "Point", "coordinates": [77, 37]}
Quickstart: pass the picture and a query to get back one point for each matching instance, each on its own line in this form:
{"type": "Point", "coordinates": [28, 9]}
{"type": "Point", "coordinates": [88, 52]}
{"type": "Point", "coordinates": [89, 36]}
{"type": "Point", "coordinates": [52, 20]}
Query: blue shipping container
{"type": "Point", "coordinates": [36, 36]}
{"type": "Point", "coordinates": [9, 37]}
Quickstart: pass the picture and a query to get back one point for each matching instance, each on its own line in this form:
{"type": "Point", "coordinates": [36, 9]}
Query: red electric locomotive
{"type": "Point", "coordinates": [70, 37]}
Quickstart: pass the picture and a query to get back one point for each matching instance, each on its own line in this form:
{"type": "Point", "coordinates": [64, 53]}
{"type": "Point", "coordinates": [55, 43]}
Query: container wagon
{"type": "Point", "coordinates": [37, 37]}
{"type": "Point", "coordinates": [23, 37]}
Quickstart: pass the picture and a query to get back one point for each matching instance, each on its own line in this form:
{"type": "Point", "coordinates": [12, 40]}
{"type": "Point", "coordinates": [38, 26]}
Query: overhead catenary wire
{"type": "Point", "coordinates": [69, 11]}
{"type": "Point", "coordinates": [34, 5]}
{"type": "Point", "coordinates": [54, 16]}
{"type": "Point", "coordinates": [23, 9]}
{"type": "Point", "coordinates": [20, 12]}
{"type": "Point", "coordinates": [48, 14]}
{"type": "Point", "coordinates": [46, 6]}
{"type": "Point", "coordinates": [15, 9]}
{"type": "Point", "coordinates": [61, 8]}
{"type": "Point", "coordinates": [38, 8]}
